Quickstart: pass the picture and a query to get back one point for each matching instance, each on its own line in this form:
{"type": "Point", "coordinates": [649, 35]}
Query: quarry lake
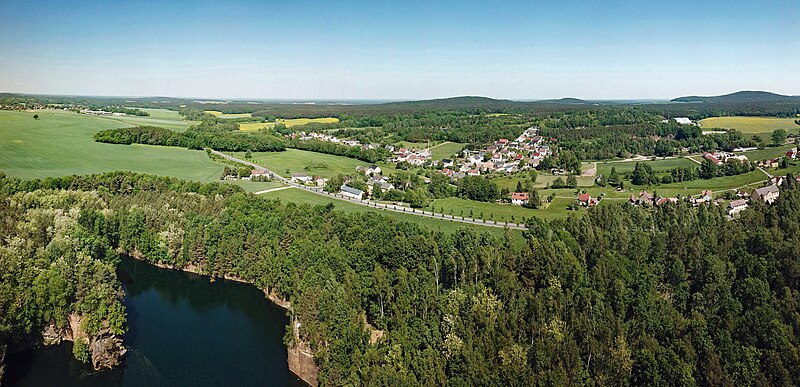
{"type": "Point", "coordinates": [183, 331]}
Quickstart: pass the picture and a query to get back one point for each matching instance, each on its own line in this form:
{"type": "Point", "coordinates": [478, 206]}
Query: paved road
{"type": "Point", "coordinates": [376, 205]}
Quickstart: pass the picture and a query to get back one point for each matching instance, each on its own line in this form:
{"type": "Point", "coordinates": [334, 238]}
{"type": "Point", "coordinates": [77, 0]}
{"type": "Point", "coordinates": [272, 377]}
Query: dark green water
{"type": "Point", "coordinates": [183, 331]}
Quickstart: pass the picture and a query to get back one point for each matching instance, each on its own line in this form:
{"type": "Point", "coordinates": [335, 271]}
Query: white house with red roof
{"type": "Point", "coordinates": [519, 198]}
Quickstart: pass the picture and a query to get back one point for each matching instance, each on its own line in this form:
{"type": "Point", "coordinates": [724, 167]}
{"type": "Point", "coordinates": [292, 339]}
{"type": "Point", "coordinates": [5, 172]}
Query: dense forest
{"type": "Point", "coordinates": [609, 298]}
{"type": "Point", "coordinates": [650, 139]}
{"type": "Point", "coordinates": [196, 137]}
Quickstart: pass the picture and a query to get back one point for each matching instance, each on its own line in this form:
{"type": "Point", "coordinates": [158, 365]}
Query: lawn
{"type": "Point", "coordinates": [445, 150]}
{"type": "Point", "coordinates": [300, 196]}
{"type": "Point", "coordinates": [60, 143]}
{"type": "Point", "coordinates": [751, 124]}
{"type": "Point", "coordinates": [311, 163]}
{"type": "Point", "coordinates": [288, 122]}
{"type": "Point", "coordinates": [662, 165]}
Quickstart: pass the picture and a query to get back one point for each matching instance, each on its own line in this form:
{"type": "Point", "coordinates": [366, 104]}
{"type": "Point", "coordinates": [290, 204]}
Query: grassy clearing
{"type": "Point", "coordinates": [158, 117]}
{"type": "Point", "coordinates": [289, 122]}
{"type": "Point", "coordinates": [300, 196]}
{"type": "Point", "coordinates": [542, 181]}
{"type": "Point", "coordinates": [499, 212]}
{"type": "Point", "coordinates": [446, 150]}
{"type": "Point", "coordinates": [415, 145]}
{"type": "Point", "coordinates": [768, 153]}
{"type": "Point", "coordinates": [751, 124]}
{"type": "Point", "coordinates": [311, 163]}
{"type": "Point", "coordinates": [60, 143]}
{"type": "Point", "coordinates": [604, 168]}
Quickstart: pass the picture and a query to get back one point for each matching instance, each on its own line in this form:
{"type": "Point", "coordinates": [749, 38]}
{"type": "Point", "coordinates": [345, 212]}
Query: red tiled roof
{"type": "Point", "coordinates": [519, 196]}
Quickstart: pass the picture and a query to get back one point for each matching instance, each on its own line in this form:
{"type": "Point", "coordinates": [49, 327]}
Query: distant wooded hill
{"type": "Point", "coordinates": [741, 97]}
{"type": "Point", "coordinates": [748, 103]}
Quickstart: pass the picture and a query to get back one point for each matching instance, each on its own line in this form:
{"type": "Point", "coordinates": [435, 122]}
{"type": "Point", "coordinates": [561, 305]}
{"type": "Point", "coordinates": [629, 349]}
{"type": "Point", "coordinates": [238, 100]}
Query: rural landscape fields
{"type": "Point", "coordinates": [471, 169]}
{"type": "Point", "coordinates": [60, 143]}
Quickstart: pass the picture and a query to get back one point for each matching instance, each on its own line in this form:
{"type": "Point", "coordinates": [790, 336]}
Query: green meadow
{"type": "Point", "coordinates": [750, 124]}
{"type": "Point", "coordinates": [499, 212]}
{"type": "Point", "coordinates": [158, 117]}
{"type": "Point", "coordinates": [662, 165]}
{"type": "Point", "coordinates": [445, 150]}
{"type": "Point", "coordinates": [60, 143]}
{"type": "Point", "coordinates": [311, 163]}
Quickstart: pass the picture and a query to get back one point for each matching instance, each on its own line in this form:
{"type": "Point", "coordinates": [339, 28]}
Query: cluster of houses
{"type": "Point", "coordinates": [305, 179]}
{"type": "Point", "coordinates": [374, 178]}
{"type": "Point", "coordinates": [23, 106]}
{"type": "Point", "coordinates": [792, 154]}
{"type": "Point", "coordinates": [720, 157]}
{"type": "Point", "coordinates": [767, 194]}
{"type": "Point", "coordinates": [502, 156]}
{"type": "Point", "coordinates": [101, 113]}
{"type": "Point", "coordinates": [416, 157]}
{"type": "Point", "coordinates": [303, 136]}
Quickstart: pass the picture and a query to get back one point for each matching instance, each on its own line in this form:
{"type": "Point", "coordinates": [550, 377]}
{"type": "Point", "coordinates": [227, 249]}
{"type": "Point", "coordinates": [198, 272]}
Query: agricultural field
{"type": "Point", "coordinates": [311, 163]}
{"type": "Point", "coordinates": [220, 114]}
{"type": "Point", "coordinates": [445, 150]}
{"type": "Point", "coordinates": [300, 196]}
{"type": "Point", "coordinates": [288, 122]}
{"type": "Point", "coordinates": [751, 124]}
{"type": "Point", "coordinates": [164, 118]}
{"type": "Point", "coordinates": [60, 143]}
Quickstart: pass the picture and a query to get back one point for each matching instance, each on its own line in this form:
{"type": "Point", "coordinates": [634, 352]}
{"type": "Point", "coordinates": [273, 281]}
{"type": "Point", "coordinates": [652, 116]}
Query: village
{"type": "Point", "coordinates": [511, 157]}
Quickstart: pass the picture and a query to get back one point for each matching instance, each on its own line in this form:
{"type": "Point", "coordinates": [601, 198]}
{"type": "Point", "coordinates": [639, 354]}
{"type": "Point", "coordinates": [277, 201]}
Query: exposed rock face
{"type": "Point", "coordinates": [301, 363]}
{"type": "Point", "coordinates": [2, 362]}
{"type": "Point", "coordinates": [107, 350]}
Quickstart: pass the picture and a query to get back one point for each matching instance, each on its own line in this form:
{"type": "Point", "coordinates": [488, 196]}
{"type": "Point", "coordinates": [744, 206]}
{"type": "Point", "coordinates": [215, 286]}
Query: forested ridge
{"type": "Point", "coordinates": [622, 296]}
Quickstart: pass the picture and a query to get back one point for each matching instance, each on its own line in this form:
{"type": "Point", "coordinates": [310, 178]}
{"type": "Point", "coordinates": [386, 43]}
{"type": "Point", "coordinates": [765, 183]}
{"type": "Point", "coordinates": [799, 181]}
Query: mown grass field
{"type": "Point", "coordinates": [310, 163]}
{"type": "Point", "coordinates": [300, 196]}
{"type": "Point", "coordinates": [604, 168]}
{"type": "Point", "coordinates": [60, 143]}
{"type": "Point", "coordinates": [750, 124]}
{"type": "Point", "coordinates": [159, 117]}
{"type": "Point", "coordinates": [288, 122]}
{"type": "Point", "coordinates": [542, 181]}
{"type": "Point", "coordinates": [445, 150]}
{"type": "Point", "coordinates": [499, 211]}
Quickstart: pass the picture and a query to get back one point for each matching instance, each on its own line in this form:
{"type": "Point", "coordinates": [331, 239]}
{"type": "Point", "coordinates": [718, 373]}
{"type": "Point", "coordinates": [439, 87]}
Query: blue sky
{"type": "Point", "coordinates": [400, 49]}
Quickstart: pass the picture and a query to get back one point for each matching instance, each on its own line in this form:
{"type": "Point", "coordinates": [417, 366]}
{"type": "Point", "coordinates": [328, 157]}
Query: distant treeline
{"type": "Point", "coordinates": [469, 105]}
